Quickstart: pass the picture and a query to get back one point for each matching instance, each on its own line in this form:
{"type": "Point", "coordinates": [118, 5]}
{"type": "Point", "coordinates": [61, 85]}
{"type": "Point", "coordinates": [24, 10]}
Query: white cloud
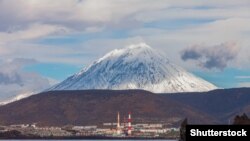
{"type": "Point", "coordinates": [244, 84]}
{"type": "Point", "coordinates": [33, 31]}
{"type": "Point", "coordinates": [235, 30]}
{"type": "Point", "coordinates": [88, 12]}
{"type": "Point", "coordinates": [212, 57]}
{"type": "Point", "coordinates": [14, 81]}
{"type": "Point", "coordinates": [73, 12]}
{"type": "Point", "coordinates": [93, 29]}
{"type": "Point", "coordinates": [242, 77]}
{"type": "Point", "coordinates": [48, 53]}
{"type": "Point", "coordinates": [29, 20]}
{"type": "Point", "coordinates": [193, 14]}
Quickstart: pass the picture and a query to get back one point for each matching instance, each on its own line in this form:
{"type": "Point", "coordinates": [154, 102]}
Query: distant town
{"type": "Point", "coordinates": [122, 128]}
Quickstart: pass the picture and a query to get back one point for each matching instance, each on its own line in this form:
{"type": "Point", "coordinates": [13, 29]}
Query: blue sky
{"type": "Point", "coordinates": [50, 40]}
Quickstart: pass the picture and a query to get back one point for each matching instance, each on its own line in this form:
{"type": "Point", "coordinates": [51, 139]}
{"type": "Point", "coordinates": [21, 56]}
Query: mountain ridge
{"type": "Point", "coordinates": [90, 107]}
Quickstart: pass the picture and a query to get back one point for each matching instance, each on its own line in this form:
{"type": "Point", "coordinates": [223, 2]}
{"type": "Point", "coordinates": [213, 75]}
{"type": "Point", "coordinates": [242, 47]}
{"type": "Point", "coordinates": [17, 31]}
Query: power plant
{"type": "Point", "coordinates": [118, 129]}
{"type": "Point", "coordinates": [126, 129]}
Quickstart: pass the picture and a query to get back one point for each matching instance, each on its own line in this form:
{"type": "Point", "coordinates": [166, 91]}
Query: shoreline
{"type": "Point", "coordinates": [23, 137]}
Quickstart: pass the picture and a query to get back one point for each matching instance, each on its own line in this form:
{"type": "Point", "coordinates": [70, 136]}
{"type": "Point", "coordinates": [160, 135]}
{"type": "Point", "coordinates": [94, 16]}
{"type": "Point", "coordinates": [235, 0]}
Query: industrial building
{"type": "Point", "coordinates": [120, 129]}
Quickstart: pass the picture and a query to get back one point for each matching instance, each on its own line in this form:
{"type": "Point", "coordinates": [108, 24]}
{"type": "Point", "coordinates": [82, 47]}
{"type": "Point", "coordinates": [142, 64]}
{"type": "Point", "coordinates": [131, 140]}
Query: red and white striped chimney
{"type": "Point", "coordinates": [129, 124]}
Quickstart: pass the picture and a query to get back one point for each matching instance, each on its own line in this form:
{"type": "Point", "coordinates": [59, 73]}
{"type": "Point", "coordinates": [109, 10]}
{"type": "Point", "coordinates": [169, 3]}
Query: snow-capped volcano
{"type": "Point", "coordinates": [135, 67]}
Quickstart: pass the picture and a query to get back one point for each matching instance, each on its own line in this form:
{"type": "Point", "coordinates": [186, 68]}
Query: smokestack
{"type": "Point", "coordinates": [118, 124]}
{"type": "Point", "coordinates": [129, 124]}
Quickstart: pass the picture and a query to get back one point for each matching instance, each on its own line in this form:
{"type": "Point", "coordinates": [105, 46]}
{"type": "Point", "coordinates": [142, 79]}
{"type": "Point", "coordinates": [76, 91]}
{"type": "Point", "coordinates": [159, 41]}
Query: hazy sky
{"type": "Point", "coordinates": [45, 41]}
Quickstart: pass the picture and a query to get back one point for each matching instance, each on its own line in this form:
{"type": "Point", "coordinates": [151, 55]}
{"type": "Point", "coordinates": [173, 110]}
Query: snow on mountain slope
{"type": "Point", "coordinates": [135, 67]}
{"type": "Point", "coordinates": [16, 98]}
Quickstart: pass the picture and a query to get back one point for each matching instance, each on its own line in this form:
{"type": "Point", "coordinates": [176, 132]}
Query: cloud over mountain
{"type": "Point", "coordinates": [14, 81]}
{"type": "Point", "coordinates": [211, 57]}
